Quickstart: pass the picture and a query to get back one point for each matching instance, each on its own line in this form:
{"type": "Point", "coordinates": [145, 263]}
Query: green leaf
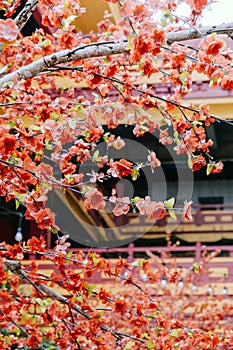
{"type": "Point", "coordinates": [168, 121]}
{"type": "Point", "coordinates": [172, 214]}
{"type": "Point", "coordinates": [183, 76]}
{"type": "Point", "coordinates": [48, 146]}
{"type": "Point", "coordinates": [90, 288]}
{"type": "Point", "coordinates": [167, 13]}
{"type": "Point", "coordinates": [210, 334]}
{"type": "Point", "coordinates": [59, 334]}
{"type": "Point", "coordinates": [79, 298]}
{"type": "Point", "coordinates": [32, 319]}
{"type": "Point", "coordinates": [138, 263]}
{"type": "Point", "coordinates": [69, 255]}
{"type": "Point", "coordinates": [101, 314]}
{"type": "Point", "coordinates": [66, 22]}
{"type": "Point", "coordinates": [166, 17]}
{"type": "Point", "coordinates": [25, 245]}
{"type": "Point", "coordinates": [8, 84]}
{"type": "Point", "coordinates": [145, 336]}
{"type": "Point", "coordinates": [135, 174]}
{"type": "Point", "coordinates": [135, 200]}
{"type": "Point", "coordinates": [53, 230]}
{"type": "Point", "coordinates": [55, 116]}
{"type": "Point", "coordinates": [163, 21]}
{"type": "Point", "coordinates": [106, 59]}
{"type": "Point", "coordinates": [196, 124]}
{"type": "Point", "coordinates": [129, 345]}
{"type": "Point", "coordinates": [37, 300]}
{"type": "Point", "coordinates": [158, 329]}
{"type": "Point", "coordinates": [129, 45]}
{"type": "Point", "coordinates": [17, 203]}
{"type": "Point", "coordinates": [175, 333]}
{"type": "Point", "coordinates": [142, 61]}
{"type": "Point", "coordinates": [96, 154]}
{"type": "Point", "coordinates": [169, 204]}
{"type": "Point", "coordinates": [209, 168]}
{"type": "Point", "coordinates": [95, 260]}
{"type": "Point", "coordinates": [43, 303]}
{"type": "Point", "coordinates": [190, 163]}
{"type": "Point", "coordinates": [45, 43]}
{"type": "Point", "coordinates": [195, 268]}
{"type": "Point", "coordinates": [106, 136]}
{"type": "Point", "coordinates": [150, 345]}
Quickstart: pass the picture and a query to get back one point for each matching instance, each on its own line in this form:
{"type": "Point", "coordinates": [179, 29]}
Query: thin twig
{"type": "Point", "coordinates": [16, 324]}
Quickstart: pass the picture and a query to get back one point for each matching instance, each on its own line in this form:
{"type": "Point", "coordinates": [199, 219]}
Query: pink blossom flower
{"type": "Point", "coordinates": [94, 199]}
{"type": "Point", "coordinates": [122, 206]}
{"type": "Point", "coordinates": [154, 161]}
{"type": "Point", "coordinates": [154, 210]}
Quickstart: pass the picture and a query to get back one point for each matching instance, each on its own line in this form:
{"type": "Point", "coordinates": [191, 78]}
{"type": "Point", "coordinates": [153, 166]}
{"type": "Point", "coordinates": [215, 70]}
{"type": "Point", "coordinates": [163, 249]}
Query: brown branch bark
{"type": "Point", "coordinates": [22, 330]}
{"type": "Point", "coordinates": [15, 267]}
{"type": "Point", "coordinates": [102, 49]}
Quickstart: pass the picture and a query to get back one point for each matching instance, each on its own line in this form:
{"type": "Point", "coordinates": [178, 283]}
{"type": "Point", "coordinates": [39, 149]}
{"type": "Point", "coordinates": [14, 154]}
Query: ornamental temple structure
{"type": "Point", "coordinates": [212, 195]}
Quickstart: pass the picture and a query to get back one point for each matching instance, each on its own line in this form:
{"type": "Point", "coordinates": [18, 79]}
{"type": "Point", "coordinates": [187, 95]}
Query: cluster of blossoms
{"type": "Point", "coordinates": [50, 129]}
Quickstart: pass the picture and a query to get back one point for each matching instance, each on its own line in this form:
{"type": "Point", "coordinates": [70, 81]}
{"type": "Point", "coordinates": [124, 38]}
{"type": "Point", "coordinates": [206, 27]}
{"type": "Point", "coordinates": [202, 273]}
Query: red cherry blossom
{"type": "Point", "coordinates": [217, 168]}
{"type": "Point", "coordinates": [45, 219]}
{"type": "Point", "coordinates": [120, 168]}
{"type": "Point", "coordinates": [198, 162]}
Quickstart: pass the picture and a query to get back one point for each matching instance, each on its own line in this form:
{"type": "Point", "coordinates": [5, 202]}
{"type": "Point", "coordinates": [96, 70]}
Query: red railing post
{"type": "Point", "coordinates": [130, 257]}
{"type": "Point", "coordinates": [198, 251]}
{"type": "Point", "coordinates": [230, 253]}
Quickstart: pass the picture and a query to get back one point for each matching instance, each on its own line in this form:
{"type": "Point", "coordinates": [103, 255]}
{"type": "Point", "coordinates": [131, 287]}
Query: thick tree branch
{"type": "Point", "coordinates": [102, 49]}
{"type": "Point", "coordinates": [25, 14]}
{"type": "Point", "coordinates": [64, 56]}
{"type": "Point", "coordinates": [195, 33]}
{"type": "Point", "coordinates": [15, 267]}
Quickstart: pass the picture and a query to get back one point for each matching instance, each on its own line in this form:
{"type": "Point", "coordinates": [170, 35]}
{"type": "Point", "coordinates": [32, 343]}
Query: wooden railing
{"type": "Point", "coordinates": [218, 219]}
{"type": "Point", "coordinates": [218, 272]}
{"type": "Point", "coordinates": [220, 214]}
{"type": "Point", "coordinates": [131, 250]}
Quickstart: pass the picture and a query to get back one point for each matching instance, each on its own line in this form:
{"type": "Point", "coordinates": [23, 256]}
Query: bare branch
{"type": "Point", "coordinates": [22, 330]}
